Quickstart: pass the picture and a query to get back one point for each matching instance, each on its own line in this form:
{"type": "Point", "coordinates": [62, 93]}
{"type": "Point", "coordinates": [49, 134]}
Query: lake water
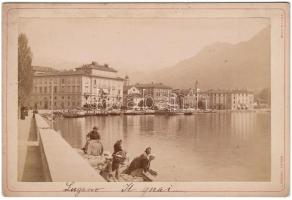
{"type": "Point", "coordinates": [225, 146]}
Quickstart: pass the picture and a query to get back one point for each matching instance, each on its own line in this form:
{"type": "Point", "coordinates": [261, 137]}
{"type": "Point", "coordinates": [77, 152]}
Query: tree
{"type": "Point", "coordinates": [148, 103]}
{"type": "Point", "coordinates": [265, 95]}
{"type": "Point", "coordinates": [201, 104]}
{"type": "Point", "coordinates": [141, 103]}
{"type": "Point", "coordinates": [25, 72]}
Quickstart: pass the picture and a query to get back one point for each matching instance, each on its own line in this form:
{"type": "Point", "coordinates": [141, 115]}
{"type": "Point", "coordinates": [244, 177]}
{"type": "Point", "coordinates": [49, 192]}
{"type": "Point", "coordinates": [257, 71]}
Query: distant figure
{"type": "Point", "coordinates": [119, 156]}
{"type": "Point", "coordinates": [22, 112]}
{"type": "Point", "coordinates": [93, 145]}
{"type": "Point", "coordinates": [141, 164]}
{"type": "Point", "coordinates": [35, 110]}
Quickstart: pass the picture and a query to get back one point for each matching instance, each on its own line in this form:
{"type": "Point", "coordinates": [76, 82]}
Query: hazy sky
{"type": "Point", "coordinates": [125, 43]}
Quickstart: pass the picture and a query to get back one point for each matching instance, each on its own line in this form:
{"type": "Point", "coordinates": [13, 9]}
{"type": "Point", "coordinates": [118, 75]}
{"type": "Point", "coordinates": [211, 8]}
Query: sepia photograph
{"type": "Point", "coordinates": [134, 95]}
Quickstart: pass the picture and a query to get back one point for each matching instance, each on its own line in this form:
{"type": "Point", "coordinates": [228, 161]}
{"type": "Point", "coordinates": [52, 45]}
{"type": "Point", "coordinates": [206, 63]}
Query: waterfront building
{"type": "Point", "coordinates": [91, 85]}
{"type": "Point", "coordinates": [191, 98]}
{"type": "Point", "coordinates": [188, 98]}
{"type": "Point", "coordinates": [155, 94]}
{"type": "Point", "coordinates": [230, 99]}
{"type": "Point", "coordinates": [216, 99]}
{"type": "Point", "coordinates": [158, 92]}
{"type": "Point", "coordinates": [132, 97]}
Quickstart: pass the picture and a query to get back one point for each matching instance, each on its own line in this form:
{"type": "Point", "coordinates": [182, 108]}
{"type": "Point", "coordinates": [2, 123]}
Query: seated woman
{"type": "Point", "coordinates": [93, 145]}
{"type": "Point", "coordinates": [94, 148]}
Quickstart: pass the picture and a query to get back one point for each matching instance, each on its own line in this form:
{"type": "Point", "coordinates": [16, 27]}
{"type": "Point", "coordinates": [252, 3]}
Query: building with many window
{"type": "Point", "coordinates": [91, 85]}
{"type": "Point", "coordinates": [216, 99]}
{"type": "Point", "coordinates": [158, 92]}
{"type": "Point", "coordinates": [230, 99]}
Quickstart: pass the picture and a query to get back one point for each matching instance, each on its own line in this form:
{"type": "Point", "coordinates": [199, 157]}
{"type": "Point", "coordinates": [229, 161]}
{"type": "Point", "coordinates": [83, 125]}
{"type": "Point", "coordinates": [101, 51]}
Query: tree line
{"type": "Point", "coordinates": [25, 71]}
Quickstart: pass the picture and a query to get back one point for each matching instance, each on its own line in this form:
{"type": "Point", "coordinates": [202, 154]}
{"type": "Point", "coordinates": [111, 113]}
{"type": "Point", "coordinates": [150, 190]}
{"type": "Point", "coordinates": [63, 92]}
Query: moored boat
{"type": "Point", "coordinates": [74, 113]}
{"type": "Point", "coordinates": [149, 112]}
{"type": "Point", "coordinates": [188, 113]}
{"type": "Point", "coordinates": [114, 112]}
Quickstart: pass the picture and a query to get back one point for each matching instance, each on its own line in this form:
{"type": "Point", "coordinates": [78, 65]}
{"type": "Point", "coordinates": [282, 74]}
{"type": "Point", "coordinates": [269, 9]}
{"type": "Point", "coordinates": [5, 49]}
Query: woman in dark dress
{"type": "Point", "coordinates": [119, 156]}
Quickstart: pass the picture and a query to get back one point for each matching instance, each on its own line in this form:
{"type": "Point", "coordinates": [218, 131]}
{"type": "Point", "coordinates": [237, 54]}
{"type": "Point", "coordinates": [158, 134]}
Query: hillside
{"type": "Point", "coordinates": [222, 65]}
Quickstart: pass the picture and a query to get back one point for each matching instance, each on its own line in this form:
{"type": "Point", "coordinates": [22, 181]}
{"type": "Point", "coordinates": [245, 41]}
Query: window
{"type": "Point", "coordinates": [55, 89]}
{"type": "Point", "coordinates": [63, 81]}
{"type": "Point", "coordinates": [68, 97]}
{"type": "Point", "coordinates": [41, 89]}
{"type": "Point", "coordinates": [55, 103]}
{"type": "Point", "coordinates": [55, 97]}
{"type": "Point", "coordinates": [45, 90]}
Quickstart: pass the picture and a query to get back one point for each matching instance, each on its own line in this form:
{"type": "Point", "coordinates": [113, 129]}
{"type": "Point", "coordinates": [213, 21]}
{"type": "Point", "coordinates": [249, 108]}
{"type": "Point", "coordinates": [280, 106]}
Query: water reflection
{"type": "Point", "coordinates": [202, 147]}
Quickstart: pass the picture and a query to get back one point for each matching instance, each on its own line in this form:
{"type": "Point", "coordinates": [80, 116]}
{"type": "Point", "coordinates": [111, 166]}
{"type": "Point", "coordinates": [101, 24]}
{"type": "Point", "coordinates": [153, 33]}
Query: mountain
{"type": "Point", "coordinates": [222, 65]}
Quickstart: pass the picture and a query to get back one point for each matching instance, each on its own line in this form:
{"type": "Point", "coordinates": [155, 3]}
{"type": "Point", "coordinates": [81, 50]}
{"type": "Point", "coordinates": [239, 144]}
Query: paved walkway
{"type": "Point", "coordinates": [29, 158]}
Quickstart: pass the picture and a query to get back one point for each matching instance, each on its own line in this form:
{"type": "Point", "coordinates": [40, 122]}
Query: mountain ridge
{"type": "Point", "coordinates": [222, 65]}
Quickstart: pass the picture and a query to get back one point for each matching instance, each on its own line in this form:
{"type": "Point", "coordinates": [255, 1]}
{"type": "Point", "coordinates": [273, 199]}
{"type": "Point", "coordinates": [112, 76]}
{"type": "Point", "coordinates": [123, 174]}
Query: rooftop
{"type": "Point", "coordinates": [228, 91]}
{"type": "Point", "coordinates": [152, 85]}
{"type": "Point", "coordinates": [71, 73]}
{"type": "Point", "coordinates": [62, 73]}
{"type": "Point", "coordinates": [95, 65]}
{"type": "Point", "coordinates": [43, 69]}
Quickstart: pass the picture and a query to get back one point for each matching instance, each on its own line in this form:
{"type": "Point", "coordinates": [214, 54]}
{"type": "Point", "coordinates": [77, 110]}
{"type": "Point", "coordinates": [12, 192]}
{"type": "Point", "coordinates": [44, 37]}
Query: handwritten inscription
{"type": "Point", "coordinates": [158, 189]}
{"type": "Point", "coordinates": [130, 187]}
{"type": "Point", "coordinates": [70, 187]}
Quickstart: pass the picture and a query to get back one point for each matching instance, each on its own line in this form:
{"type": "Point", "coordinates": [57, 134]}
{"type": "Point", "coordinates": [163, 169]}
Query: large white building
{"type": "Point", "coordinates": [91, 85]}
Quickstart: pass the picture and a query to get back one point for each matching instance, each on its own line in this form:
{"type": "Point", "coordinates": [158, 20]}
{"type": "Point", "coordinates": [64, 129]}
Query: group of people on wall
{"type": "Point", "coordinates": [138, 166]}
